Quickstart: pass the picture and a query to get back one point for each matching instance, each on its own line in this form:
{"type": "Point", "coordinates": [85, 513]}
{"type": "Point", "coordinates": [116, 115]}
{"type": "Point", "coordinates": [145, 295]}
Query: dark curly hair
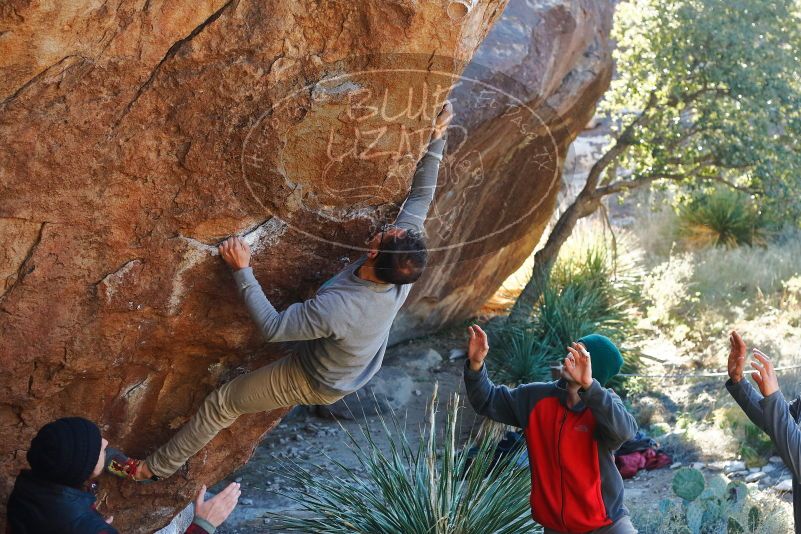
{"type": "Point", "coordinates": [401, 259]}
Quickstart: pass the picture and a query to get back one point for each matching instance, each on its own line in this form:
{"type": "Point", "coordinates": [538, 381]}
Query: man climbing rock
{"type": "Point", "coordinates": [57, 494]}
{"type": "Point", "coordinates": [342, 331]}
{"type": "Point", "coordinates": [572, 428]}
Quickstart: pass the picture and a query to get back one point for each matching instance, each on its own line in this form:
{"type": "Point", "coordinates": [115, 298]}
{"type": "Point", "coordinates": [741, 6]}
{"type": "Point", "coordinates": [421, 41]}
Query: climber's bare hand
{"type": "Point", "coordinates": [235, 252]}
{"type": "Point", "coordinates": [443, 120]}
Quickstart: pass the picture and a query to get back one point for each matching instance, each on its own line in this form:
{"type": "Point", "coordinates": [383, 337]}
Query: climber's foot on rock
{"type": "Point", "coordinates": [121, 465]}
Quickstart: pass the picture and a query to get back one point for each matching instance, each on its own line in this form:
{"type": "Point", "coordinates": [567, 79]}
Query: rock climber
{"type": "Point", "coordinates": [57, 494]}
{"type": "Point", "coordinates": [342, 331]}
{"type": "Point", "coordinates": [572, 428]}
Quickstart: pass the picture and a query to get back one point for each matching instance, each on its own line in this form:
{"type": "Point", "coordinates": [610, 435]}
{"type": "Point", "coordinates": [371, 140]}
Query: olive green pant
{"type": "Point", "coordinates": [621, 526]}
{"type": "Point", "coordinates": [280, 384]}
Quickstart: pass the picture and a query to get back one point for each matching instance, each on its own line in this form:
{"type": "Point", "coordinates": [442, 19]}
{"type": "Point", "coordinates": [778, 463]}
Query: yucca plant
{"type": "Point", "coordinates": [430, 487]}
{"type": "Point", "coordinates": [721, 218]}
{"type": "Point", "coordinates": [585, 294]}
{"type": "Point", "coordinates": [518, 356]}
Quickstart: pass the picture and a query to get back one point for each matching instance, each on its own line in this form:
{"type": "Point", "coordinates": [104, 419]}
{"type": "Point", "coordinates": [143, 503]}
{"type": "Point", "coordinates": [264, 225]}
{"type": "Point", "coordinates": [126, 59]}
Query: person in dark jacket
{"type": "Point", "coordinates": [572, 428]}
{"type": "Point", "coordinates": [57, 494]}
{"type": "Point", "coordinates": [770, 411]}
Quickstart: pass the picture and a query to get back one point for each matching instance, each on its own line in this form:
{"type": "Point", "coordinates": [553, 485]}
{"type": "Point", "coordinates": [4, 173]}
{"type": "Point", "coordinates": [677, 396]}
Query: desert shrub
{"type": "Point", "coordinates": [754, 446]}
{"type": "Point", "coordinates": [666, 287]}
{"type": "Point", "coordinates": [713, 507]}
{"type": "Point", "coordinates": [722, 276]}
{"type": "Point", "coordinates": [429, 487]}
{"type": "Point", "coordinates": [518, 356]}
{"type": "Point", "coordinates": [721, 217]}
{"type": "Point", "coordinates": [723, 280]}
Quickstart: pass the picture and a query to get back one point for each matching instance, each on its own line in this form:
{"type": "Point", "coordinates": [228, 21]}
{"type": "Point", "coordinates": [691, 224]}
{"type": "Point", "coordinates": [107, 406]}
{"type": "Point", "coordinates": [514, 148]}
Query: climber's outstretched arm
{"type": "Point", "coordinates": [413, 213]}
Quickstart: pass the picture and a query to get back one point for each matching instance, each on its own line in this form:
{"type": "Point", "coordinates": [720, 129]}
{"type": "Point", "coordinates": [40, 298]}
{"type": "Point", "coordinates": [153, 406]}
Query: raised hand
{"type": "Point", "coordinates": [765, 374]}
{"type": "Point", "coordinates": [443, 120]}
{"type": "Point", "coordinates": [218, 508]}
{"type": "Point", "coordinates": [578, 365]}
{"type": "Point", "coordinates": [235, 252]}
{"type": "Point", "coordinates": [736, 357]}
{"type": "Point", "coordinates": [477, 347]}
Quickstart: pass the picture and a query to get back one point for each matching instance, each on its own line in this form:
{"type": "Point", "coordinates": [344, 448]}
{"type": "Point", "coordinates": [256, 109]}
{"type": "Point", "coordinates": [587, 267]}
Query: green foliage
{"type": "Point", "coordinates": [425, 488]}
{"type": "Point", "coordinates": [518, 355]}
{"type": "Point", "coordinates": [708, 90]}
{"type": "Point", "coordinates": [716, 285]}
{"type": "Point", "coordinates": [754, 445]}
{"type": "Point", "coordinates": [723, 218]}
{"type": "Point", "coordinates": [720, 506]}
{"type": "Point", "coordinates": [585, 294]}
{"type": "Point", "coordinates": [688, 483]}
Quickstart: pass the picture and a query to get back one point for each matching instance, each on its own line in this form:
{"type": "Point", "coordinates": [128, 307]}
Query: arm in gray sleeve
{"type": "Point", "coordinates": [499, 403]}
{"type": "Point", "coordinates": [749, 400]}
{"type": "Point", "coordinates": [310, 319]}
{"type": "Point", "coordinates": [413, 213]}
{"type": "Point", "coordinates": [783, 430]}
{"type": "Point", "coordinates": [615, 424]}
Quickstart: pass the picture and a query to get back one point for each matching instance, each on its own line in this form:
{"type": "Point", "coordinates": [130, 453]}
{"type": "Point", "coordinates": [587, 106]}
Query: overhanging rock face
{"type": "Point", "coordinates": [137, 135]}
{"type": "Point", "coordinates": [530, 89]}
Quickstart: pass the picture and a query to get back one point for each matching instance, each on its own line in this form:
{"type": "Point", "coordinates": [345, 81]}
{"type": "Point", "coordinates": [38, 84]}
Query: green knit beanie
{"type": "Point", "coordinates": [605, 357]}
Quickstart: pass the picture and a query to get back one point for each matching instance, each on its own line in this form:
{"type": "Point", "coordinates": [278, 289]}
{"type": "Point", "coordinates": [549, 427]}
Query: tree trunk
{"type": "Point", "coordinates": [586, 203]}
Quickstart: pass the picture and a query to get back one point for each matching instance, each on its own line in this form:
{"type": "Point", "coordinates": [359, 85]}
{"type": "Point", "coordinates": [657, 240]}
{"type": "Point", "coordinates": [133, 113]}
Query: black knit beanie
{"type": "Point", "coordinates": [65, 451]}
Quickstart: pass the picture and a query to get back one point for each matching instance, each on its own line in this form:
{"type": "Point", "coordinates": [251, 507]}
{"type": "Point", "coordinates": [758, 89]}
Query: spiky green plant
{"type": "Point", "coordinates": [586, 293]}
{"type": "Point", "coordinates": [722, 218]}
{"type": "Point", "coordinates": [517, 355]}
{"type": "Point", "coordinates": [431, 487]}
{"type": "Point", "coordinates": [688, 483]}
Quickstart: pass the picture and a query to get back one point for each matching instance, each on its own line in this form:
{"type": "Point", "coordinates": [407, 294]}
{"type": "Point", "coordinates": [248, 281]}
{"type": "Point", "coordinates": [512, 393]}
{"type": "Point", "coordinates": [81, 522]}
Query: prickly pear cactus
{"type": "Point", "coordinates": [737, 492]}
{"type": "Point", "coordinates": [718, 484]}
{"type": "Point", "coordinates": [688, 483]}
{"type": "Point", "coordinates": [715, 509]}
{"type": "Point", "coordinates": [734, 527]}
{"type": "Point", "coordinates": [665, 506]}
{"type": "Point", "coordinates": [754, 519]}
{"type": "Point", "coordinates": [695, 517]}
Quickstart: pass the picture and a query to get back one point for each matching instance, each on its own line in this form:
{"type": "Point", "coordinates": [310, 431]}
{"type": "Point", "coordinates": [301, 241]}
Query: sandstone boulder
{"type": "Point", "coordinates": [138, 134]}
{"type": "Point", "coordinates": [529, 91]}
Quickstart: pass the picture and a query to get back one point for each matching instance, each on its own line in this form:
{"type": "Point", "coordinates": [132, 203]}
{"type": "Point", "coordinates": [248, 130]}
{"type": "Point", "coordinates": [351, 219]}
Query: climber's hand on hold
{"type": "Point", "coordinates": [443, 120]}
{"type": "Point", "coordinates": [235, 252]}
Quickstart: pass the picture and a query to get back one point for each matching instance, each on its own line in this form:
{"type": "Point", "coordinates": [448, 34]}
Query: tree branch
{"type": "Point", "coordinates": [622, 142]}
{"type": "Point", "coordinates": [628, 185]}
